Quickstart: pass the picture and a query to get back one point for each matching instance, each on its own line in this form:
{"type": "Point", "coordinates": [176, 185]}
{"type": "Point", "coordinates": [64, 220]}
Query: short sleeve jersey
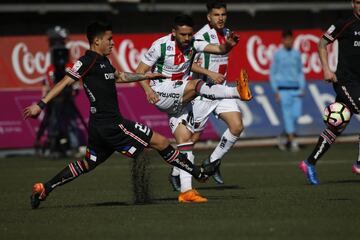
{"type": "Point", "coordinates": [212, 62]}
{"type": "Point", "coordinates": [164, 56]}
{"type": "Point", "coordinates": [347, 32]}
{"type": "Point", "coordinates": [98, 76]}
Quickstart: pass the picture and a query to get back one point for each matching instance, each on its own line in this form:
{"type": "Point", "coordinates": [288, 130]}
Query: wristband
{"type": "Point", "coordinates": [41, 104]}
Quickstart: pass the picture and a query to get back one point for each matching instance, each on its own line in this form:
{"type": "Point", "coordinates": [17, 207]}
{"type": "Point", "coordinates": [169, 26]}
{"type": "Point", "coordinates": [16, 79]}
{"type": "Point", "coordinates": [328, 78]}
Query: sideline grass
{"type": "Point", "coordinates": [265, 197]}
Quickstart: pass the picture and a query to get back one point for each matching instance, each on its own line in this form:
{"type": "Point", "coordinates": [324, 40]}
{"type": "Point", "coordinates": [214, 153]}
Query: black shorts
{"type": "Point", "coordinates": [127, 137]}
{"type": "Point", "coordinates": [348, 93]}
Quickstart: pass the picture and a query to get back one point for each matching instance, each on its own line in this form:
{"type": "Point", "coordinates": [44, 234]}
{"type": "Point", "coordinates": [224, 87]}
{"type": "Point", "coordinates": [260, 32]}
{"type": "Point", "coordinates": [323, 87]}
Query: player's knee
{"type": "Point", "coordinates": [158, 141]}
{"type": "Point", "coordinates": [195, 137]}
{"type": "Point", "coordinates": [236, 128]}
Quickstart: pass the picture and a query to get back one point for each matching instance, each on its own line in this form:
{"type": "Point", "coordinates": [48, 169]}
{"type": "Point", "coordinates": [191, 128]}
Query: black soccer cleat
{"type": "Point", "coordinates": [217, 175]}
{"type": "Point", "coordinates": [174, 182]}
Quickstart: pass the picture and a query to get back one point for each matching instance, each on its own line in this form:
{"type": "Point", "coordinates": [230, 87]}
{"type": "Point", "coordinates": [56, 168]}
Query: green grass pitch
{"type": "Point", "coordinates": [265, 196]}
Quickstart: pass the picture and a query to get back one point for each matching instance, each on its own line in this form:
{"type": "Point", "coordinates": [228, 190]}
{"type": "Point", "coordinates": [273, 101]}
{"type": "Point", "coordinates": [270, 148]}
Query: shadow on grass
{"type": "Point", "coordinates": [220, 187]}
{"type": "Point", "coordinates": [343, 181]}
{"type": "Point", "coordinates": [89, 205]}
{"type": "Point", "coordinates": [164, 200]}
{"type": "Point", "coordinates": [339, 199]}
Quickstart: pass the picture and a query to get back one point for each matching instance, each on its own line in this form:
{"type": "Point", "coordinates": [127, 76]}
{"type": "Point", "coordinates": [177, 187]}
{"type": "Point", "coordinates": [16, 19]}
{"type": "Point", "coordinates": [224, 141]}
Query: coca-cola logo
{"type": "Point", "coordinates": [260, 55]}
{"type": "Point", "coordinates": [30, 67]}
{"type": "Point", "coordinates": [27, 65]}
{"type": "Point", "coordinates": [127, 56]}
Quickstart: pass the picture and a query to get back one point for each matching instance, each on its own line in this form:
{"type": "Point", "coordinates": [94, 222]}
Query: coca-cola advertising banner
{"type": "Point", "coordinates": [24, 59]}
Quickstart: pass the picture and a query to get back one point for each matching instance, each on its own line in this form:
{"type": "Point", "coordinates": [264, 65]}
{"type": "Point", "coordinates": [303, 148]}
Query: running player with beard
{"type": "Point", "coordinates": [173, 56]}
{"type": "Point", "coordinates": [108, 130]}
{"type": "Point", "coordinates": [346, 83]}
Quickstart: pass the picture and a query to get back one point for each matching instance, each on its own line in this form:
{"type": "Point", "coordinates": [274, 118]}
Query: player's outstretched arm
{"type": "Point", "coordinates": [151, 96]}
{"type": "Point", "coordinates": [34, 110]}
{"type": "Point", "coordinates": [323, 55]}
{"type": "Point", "coordinates": [224, 48]}
{"type": "Point", "coordinates": [125, 77]}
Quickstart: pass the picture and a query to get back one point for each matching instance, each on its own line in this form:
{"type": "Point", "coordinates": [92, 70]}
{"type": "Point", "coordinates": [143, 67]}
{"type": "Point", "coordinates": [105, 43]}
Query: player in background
{"type": "Point", "coordinates": [288, 83]}
{"type": "Point", "coordinates": [346, 82]}
{"type": "Point", "coordinates": [108, 130]}
{"type": "Point", "coordinates": [212, 69]}
{"type": "Point", "coordinates": [173, 55]}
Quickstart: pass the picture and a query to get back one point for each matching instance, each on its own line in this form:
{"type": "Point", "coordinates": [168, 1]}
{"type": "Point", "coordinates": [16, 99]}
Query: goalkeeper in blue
{"type": "Point", "coordinates": [345, 80]}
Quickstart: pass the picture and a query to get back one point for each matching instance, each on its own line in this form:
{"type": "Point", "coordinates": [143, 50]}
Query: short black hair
{"type": "Point", "coordinates": [287, 33]}
{"type": "Point", "coordinates": [215, 4]}
{"type": "Point", "coordinates": [183, 20]}
{"type": "Point", "coordinates": [96, 29]}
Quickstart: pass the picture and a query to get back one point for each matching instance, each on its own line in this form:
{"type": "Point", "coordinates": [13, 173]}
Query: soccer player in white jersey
{"type": "Point", "coordinates": [173, 55]}
{"type": "Point", "coordinates": [212, 69]}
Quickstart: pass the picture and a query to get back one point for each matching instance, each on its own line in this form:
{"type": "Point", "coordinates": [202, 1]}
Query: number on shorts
{"type": "Point", "coordinates": [143, 128]}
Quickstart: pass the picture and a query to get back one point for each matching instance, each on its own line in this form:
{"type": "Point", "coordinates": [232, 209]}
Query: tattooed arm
{"type": "Point", "coordinates": [125, 77]}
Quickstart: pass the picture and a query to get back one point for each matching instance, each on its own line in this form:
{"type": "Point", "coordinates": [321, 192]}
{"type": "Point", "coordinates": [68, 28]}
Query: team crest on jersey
{"type": "Point", "coordinates": [212, 36]}
{"type": "Point", "coordinates": [189, 53]}
{"type": "Point", "coordinates": [169, 48]}
{"type": "Point", "coordinates": [77, 66]}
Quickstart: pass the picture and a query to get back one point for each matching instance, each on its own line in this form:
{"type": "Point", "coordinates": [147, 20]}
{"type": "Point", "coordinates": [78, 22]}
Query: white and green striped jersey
{"type": "Point", "coordinates": [212, 62]}
{"type": "Point", "coordinates": [164, 56]}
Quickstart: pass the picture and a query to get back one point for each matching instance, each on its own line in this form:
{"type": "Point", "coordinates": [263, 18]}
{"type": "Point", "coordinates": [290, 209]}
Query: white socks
{"type": "Point", "coordinates": [185, 177]}
{"type": "Point", "coordinates": [226, 142]}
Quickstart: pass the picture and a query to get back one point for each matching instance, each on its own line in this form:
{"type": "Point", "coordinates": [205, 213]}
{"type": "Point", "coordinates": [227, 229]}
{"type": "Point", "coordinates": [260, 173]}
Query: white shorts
{"type": "Point", "coordinates": [202, 108]}
{"type": "Point", "coordinates": [182, 117]}
{"type": "Point", "coordinates": [170, 94]}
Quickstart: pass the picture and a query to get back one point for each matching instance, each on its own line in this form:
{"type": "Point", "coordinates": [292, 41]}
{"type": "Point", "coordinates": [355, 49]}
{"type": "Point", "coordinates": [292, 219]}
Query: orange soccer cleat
{"type": "Point", "coordinates": [243, 86]}
{"type": "Point", "coordinates": [38, 195]}
{"type": "Point", "coordinates": [191, 196]}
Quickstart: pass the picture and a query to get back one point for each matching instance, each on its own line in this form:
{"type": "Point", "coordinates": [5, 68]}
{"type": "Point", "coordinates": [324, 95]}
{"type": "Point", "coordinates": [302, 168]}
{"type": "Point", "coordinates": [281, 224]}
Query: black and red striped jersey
{"type": "Point", "coordinates": [347, 32]}
{"type": "Point", "coordinates": [98, 77]}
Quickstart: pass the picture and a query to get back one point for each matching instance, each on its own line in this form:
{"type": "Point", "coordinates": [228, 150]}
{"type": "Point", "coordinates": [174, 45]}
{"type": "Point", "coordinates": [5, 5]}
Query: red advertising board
{"type": "Point", "coordinates": [23, 60]}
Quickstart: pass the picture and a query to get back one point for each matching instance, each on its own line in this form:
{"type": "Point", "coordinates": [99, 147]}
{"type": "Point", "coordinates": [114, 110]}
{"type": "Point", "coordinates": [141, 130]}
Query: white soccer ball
{"type": "Point", "coordinates": [337, 115]}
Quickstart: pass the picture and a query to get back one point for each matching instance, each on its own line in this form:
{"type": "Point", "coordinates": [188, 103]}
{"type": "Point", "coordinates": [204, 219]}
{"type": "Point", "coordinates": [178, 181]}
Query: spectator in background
{"type": "Point", "coordinates": [288, 83]}
{"type": "Point", "coordinates": [60, 119]}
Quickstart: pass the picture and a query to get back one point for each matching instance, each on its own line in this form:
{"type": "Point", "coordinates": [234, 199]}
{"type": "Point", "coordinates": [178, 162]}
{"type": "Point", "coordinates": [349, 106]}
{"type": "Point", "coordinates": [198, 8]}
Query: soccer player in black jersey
{"type": "Point", "coordinates": [346, 82]}
{"type": "Point", "coordinates": [108, 130]}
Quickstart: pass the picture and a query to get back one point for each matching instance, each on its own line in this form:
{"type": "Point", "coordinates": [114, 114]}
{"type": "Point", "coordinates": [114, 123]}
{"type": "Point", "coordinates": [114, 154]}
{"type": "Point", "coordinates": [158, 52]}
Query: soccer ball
{"type": "Point", "coordinates": [336, 115]}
